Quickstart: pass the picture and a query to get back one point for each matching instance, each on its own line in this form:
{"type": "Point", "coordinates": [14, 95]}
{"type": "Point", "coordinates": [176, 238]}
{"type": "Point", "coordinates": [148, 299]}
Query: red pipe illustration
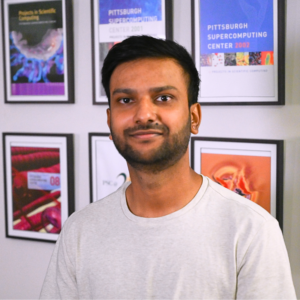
{"type": "Point", "coordinates": [25, 200]}
{"type": "Point", "coordinates": [21, 194]}
{"type": "Point", "coordinates": [36, 203]}
{"type": "Point", "coordinates": [27, 150]}
{"type": "Point", "coordinates": [34, 160]}
{"type": "Point", "coordinates": [41, 220]}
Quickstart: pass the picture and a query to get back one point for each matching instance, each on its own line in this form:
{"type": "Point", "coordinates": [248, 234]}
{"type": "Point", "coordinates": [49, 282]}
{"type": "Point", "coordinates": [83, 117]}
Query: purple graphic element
{"type": "Point", "coordinates": [36, 62]}
{"type": "Point", "coordinates": [48, 46]}
{"type": "Point", "coordinates": [50, 88]}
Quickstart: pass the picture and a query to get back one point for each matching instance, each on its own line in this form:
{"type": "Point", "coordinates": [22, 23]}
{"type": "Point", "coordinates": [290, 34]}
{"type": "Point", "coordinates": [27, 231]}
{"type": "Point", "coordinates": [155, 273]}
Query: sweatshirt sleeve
{"type": "Point", "coordinates": [265, 269]}
{"type": "Point", "coordinates": [60, 280]}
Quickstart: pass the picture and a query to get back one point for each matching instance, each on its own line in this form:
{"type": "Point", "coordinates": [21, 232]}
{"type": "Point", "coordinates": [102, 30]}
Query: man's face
{"type": "Point", "coordinates": [149, 116]}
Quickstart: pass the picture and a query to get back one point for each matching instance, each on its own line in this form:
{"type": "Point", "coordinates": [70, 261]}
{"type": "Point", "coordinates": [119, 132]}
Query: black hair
{"type": "Point", "coordinates": [138, 47]}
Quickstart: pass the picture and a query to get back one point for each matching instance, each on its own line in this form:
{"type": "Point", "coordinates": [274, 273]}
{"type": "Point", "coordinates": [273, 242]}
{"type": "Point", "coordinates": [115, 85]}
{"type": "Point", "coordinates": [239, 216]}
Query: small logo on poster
{"type": "Point", "coordinates": [120, 179]}
{"type": "Point", "coordinates": [43, 181]}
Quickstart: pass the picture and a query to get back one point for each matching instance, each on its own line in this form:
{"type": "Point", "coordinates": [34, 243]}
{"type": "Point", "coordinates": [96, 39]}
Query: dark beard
{"type": "Point", "coordinates": [165, 156]}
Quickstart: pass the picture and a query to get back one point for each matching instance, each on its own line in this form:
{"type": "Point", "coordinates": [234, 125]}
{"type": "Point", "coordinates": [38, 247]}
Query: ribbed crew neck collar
{"type": "Point", "coordinates": [163, 219]}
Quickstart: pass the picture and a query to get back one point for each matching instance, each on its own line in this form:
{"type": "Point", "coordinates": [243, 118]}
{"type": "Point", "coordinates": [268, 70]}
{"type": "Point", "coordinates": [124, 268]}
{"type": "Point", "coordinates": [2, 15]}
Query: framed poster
{"type": "Point", "coordinates": [108, 169]}
{"type": "Point", "coordinates": [115, 20]}
{"type": "Point", "coordinates": [250, 168]}
{"type": "Point", "coordinates": [238, 47]}
{"type": "Point", "coordinates": [39, 184]}
{"type": "Point", "coordinates": [38, 51]}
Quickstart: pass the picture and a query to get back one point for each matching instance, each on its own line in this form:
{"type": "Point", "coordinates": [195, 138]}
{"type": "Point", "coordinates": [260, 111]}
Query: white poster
{"type": "Point", "coordinates": [114, 21]}
{"type": "Point", "coordinates": [108, 168]}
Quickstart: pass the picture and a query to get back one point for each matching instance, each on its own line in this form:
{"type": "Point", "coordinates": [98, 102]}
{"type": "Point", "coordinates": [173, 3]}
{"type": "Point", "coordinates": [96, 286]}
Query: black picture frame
{"type": "Point", "coordinates": [211, 94]}
{"type": "Point", "coordinates": [38, 184]}
{"type": "Point", "coordinates": [100, 49]}
{"type": "Point", "coordinates": [34, 73]}
{"type": "Point", "coordinates": [256, 163]}
{"type": "Point", "coordinates": [108, 169]}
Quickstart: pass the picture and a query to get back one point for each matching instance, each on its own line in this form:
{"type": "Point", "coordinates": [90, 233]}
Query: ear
{"type": "Point", "coordinates": [108, 121]}
{"type": "Point", "coordinates": [195, 111]}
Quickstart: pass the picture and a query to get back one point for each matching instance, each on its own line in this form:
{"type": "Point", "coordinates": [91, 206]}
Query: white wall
{"type": "Point", "coordinates": [23, 263]}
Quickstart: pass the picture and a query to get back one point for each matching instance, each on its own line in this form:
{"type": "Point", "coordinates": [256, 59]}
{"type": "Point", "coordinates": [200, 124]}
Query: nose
{"type": "Point", "coordinates": [146, 111]}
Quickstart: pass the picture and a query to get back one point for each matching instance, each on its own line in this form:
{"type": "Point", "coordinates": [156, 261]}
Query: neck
{"type": "Point", "coordinates": [164, 192]}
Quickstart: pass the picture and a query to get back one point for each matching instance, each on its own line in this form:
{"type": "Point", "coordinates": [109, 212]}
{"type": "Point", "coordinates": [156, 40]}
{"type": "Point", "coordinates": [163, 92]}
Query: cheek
{"type": "Point", "coordinates": [120, 121]}
{"type": "Point", "coordinates": [176, 119]}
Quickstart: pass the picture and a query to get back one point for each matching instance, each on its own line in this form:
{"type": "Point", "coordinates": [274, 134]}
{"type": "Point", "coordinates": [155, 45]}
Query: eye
{"type": "Point", "coordinates": [125, 100]}
{"type": "Point", "coordinates": [163, 98]}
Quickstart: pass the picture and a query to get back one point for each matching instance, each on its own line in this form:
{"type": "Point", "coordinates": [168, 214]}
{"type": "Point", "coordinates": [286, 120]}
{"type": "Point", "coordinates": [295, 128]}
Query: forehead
{"type": "Point", "coordinates": [149, 71]}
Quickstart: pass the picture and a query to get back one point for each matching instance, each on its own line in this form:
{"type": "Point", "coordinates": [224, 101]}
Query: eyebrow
{"type": "Point", "coordinates": [154, 89]}
{"type": "Point", "coordinates": [163, 88]}
{"type": "Point", "coordinates": [123, 91]}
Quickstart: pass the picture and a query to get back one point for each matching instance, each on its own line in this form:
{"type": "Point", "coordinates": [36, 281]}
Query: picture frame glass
{"type": "Point", "coordinates": [108, 168]}
{"type": "Point", "coordinates": [248, 169]}
{"type": "Point", "coordinates": [36, 51]}
{"type": "Point", "coordinates": [37, 186]}
{"type": "Point", "coordinates": [236, 51]}
{"type": "Point", "coordinates": [115, 20]}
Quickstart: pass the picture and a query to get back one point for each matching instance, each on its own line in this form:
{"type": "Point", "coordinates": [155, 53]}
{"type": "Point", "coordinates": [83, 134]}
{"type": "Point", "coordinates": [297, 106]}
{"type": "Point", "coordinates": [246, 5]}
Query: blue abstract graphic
{"type": "Point", "coordinates": [236, 26]}
{"type": "Point", "coordinates": [37, 67]}
{"type": "Point", "coordinates": [147, 8]}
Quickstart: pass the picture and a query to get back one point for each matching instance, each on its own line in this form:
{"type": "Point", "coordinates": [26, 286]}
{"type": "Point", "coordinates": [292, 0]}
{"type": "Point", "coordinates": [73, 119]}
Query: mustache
{"type": "Point", "coordinates": [163, 128]}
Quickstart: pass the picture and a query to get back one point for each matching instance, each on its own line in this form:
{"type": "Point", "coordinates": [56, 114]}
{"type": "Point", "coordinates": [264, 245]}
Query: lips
{"type": "Point", "coordinates": [145, 134]}
{"type": "Point", "coordinates": [147, 131]}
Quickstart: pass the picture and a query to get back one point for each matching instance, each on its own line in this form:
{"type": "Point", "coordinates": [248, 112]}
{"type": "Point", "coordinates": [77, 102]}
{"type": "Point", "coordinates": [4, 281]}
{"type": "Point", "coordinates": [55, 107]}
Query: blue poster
{"type": "Point", "coordinates": [233, 26]}
{"type": "Point", "coordinates": [129, 11]}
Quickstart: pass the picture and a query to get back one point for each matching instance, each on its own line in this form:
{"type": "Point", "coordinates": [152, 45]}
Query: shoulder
{"type": "Point", "coordinates": [230, 201]}
{"type": "Point", "coordinates": [240, 222]}
{"type": "Point", "coordinates": [234, 214]}
{"type": "Point", "coordinates": [98, 213]}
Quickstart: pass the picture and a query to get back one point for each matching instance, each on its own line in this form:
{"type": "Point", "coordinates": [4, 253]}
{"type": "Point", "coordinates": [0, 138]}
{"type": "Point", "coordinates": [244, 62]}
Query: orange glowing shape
{"type": "Point", "coordinates": [248, 176]}
{"type": "Point", "coordinates": [235, 180]}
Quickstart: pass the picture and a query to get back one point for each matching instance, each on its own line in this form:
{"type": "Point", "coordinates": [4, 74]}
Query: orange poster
{"type": "Point", "coordinates": [248, 176]}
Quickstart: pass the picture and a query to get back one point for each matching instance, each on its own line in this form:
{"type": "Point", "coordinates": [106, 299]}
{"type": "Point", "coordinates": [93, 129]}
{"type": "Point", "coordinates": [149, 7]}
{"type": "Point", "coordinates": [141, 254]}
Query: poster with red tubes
{"type": "Point", "coordinates": [38, 184]}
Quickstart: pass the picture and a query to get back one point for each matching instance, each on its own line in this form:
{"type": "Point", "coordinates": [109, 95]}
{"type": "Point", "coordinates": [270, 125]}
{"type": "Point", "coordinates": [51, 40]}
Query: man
{"type": "Point", "coordinates": [170, 233]}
